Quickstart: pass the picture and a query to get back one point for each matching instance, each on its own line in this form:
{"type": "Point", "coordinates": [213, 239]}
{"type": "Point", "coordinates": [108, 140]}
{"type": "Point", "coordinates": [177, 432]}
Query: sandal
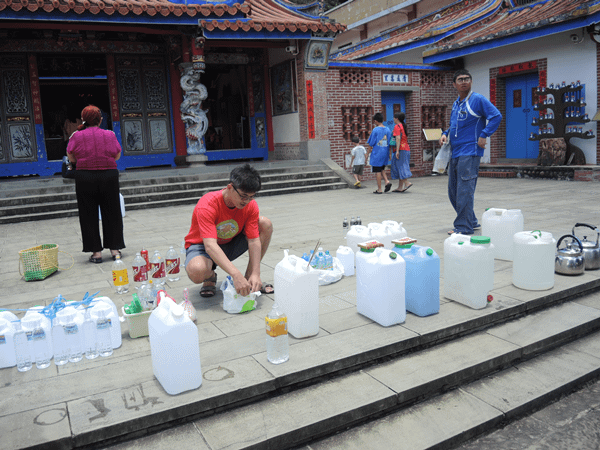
{"type": "Point", "coordinates": [267, 288]}
{"type": "Point", "coordinates": [209, 291]}
{"type": "Point", "coordinates": [387, 187]}
{"type": "Point", "coordinates": [377, 192]}
{"type": "Point", "coordinates": [114, 257]}
{"type": "Point", "coordinates": [95, 260]}
{"type": "Point", "coordinates": [403, 190]}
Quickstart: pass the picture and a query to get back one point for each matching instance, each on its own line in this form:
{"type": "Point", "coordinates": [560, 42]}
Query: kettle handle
{"type": "Point", "coordinates": [572, 236]}
{"type": "Point", "coordinates": [589, 226]}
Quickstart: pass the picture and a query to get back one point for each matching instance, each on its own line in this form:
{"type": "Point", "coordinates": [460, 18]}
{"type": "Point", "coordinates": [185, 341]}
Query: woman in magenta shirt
{"type": "Point", "coordinates": [96, 152]}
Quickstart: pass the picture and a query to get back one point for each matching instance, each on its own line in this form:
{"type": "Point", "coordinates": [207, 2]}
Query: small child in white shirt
{"type": "Point", "coordinates": [358, 160]}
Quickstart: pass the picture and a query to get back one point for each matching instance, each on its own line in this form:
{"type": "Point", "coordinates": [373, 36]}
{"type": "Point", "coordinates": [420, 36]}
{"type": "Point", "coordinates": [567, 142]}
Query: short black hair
{"type": "Point", "coordinates": [460, 72]}
{"type": "Point", "coordinates": [378, 117]}
{"type": "Point", "coordinates": [355, 139]}
{"type": "Point", "coordinates": [245, 178]}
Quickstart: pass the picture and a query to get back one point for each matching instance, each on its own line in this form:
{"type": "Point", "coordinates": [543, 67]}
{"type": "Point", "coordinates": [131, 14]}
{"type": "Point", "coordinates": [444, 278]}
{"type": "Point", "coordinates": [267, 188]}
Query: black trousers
{"type": "Point", "coordinates": [99, 188]}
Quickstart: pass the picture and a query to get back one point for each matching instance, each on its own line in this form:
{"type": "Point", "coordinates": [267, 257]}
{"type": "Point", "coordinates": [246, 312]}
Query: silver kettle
{"type": "Point", "coordinates": [569, 260]}
{"type": "Point", "coordinates": [591, 250]}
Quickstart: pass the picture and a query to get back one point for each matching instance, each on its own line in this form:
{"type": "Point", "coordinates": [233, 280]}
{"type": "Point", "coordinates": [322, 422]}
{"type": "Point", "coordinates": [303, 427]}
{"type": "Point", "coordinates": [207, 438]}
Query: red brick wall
{"type": "Point", "coordinates": [361, 91]}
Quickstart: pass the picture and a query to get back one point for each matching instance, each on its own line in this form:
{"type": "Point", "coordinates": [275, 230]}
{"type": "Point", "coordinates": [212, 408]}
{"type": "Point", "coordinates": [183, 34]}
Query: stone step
{"type": "Point", "coordinates": [152, 188]}
{"type": "Point", "coordinates": [433, 398]}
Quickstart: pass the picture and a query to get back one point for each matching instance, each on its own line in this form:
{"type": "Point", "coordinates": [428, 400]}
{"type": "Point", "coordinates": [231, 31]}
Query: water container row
{"type": "Point", "coordinates": [384, 232]}
{"type": "Point", "coordinates": [73, 333]}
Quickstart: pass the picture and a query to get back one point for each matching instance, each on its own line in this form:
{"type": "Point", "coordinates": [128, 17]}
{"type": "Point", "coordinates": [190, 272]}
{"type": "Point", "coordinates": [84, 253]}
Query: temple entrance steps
{"type": "Point", "coordinates": [29, 199]}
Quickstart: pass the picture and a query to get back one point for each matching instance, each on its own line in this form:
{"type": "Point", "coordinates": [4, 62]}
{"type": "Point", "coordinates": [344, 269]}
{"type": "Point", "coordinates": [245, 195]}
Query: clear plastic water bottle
{"type": "Point", "coordinates": [22, 350]}
{"type": "Point", "coordinates": [144, 292]}
{"type": "Point", "coordinates": [41, 345]}
{"type": "Point", "coordinates": [345, 226]}
{"type": "Point", "coordinates": [277, 336]}
{"type": "Point", "coordinates": [90, 342]}
{"type": "Point", "coordinates": [328, 261]}
{"type": "Point", "coordinates": [120, 276]}
{"type": "Point", "coordinates": [320, 259]}
{"type": "Point", "coordinates": [352, 221]}
{"type": "Point", "coordinates": [157, 268]}
{"type": "Point", "coordinates": [305, 256]}
{"type": "Point", "coordinates": [182, 255]}
{"type": "Point", "coordinates": [103, 335]}
{"type": "Point", "coordinates": [140, 269]}
{"type": "Point", "coordinates": [172, 264]}
{"type": "Point", "coordinates": [358, 221]}
{"type": "Point", "coordinates": [73, 337]}
{"type": "Point", "coordinates": [59, 344]}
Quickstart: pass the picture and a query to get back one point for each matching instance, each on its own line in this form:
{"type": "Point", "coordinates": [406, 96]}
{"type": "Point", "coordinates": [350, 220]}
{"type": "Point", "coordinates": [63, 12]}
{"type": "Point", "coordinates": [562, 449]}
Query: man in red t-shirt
{"type": "Point", "coordinates": [226, 224]}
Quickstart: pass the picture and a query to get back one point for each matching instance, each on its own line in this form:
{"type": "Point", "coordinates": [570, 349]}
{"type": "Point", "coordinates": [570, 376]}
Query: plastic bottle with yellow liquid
{"type": "Point", "coordinates": [277, 336]}
{"type": "Point", "coordinates": [120, 276]}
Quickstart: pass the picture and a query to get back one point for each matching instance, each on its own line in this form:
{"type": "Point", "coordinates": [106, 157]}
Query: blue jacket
{"type": "Point", "coordinates": [468, 124]}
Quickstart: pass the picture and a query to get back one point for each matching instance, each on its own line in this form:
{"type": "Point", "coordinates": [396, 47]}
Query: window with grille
{"type": "Point", "coordinates": [355, 77]}
{"type": "Point", "coordinates": [433, 116]}
{"type": "Point", "coordinates": [357, 121]}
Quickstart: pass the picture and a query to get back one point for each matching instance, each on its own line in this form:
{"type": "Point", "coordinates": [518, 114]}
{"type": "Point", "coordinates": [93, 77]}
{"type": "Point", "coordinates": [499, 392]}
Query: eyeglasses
{"type": "Point", "coordinates": [244, 197]}
{"type": "Point", "coordinates": [463, 80]}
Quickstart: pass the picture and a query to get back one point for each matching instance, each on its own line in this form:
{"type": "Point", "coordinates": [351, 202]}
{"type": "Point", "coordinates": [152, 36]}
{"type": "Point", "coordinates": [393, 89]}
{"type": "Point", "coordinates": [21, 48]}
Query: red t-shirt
{"type": "Point", "coordinates": [399, 130]}
{"type": "Point", "coordinates": [213, 219]}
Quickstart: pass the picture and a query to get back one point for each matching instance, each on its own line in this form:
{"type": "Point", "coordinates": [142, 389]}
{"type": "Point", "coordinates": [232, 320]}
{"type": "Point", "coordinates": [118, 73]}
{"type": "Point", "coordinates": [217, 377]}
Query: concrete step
{"type": "Point", "coordinates": [332, 384]}
{"type": "Point", "coordinates": [153, 188]}
{"type": "Point", "coordinates": [432, 398]}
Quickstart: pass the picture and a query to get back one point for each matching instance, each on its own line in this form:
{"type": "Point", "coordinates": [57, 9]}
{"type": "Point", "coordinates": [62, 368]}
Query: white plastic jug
{"type": "Point", "coordinates": [356, 235]}
{"type": "Point", "coordinates": [7, 345]}
{"type": "Point", "coordinates": [395, 229]}
{"type": "Point", "coordinates": [109, 311]}
{"type": "Point", "coordinates": [174, 348]}
{"type": "Point", "coordinates": [468, 269]}
{"type": "Point", "coordinates": [422, 279]}
{"type": "Point", "coordinates": [297, 294]}
{"type": "Point", "coordinates": [501, 225]}
{"type": "Point", "coordinates": [346, 257]}
{"type": "Point", "coordinates": [381, 233]}
{"type": "Point", "coordinates": [533, 264]}
{"type": "Point", "coordinates": [380, 290]}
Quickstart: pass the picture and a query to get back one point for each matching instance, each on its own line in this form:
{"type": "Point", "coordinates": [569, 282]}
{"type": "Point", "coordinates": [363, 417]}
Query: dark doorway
{"type": "Point", "coordinates": [62, 101]}
{"type": "Point", "coordinates": [227, 107]}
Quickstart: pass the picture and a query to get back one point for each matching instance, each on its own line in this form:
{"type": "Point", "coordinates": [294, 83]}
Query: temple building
{"type": "Point", "coordinates": [177, 81]}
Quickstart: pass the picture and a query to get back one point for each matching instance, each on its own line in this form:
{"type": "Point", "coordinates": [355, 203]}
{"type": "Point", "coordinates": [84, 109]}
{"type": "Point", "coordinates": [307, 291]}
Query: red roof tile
{"type": "Point", "coordinates": [456, 15]}
{"type": "Point", "coordinates": [516, 20]}
{"type": "Point", "coordinates": [259, 14]}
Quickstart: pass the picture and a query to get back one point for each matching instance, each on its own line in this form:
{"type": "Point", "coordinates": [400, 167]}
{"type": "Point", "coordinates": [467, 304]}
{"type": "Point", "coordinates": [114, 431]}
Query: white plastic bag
{"type": "Point", "coordinates": [331, 276]}
{"type": "Point", "coordinates": [443, 158]}
{"type": "Point", "coordinates": [234, 303]}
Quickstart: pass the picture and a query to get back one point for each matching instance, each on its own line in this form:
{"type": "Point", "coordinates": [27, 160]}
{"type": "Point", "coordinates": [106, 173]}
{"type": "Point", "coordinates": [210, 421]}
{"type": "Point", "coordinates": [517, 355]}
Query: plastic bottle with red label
{"type": "Point", "coordinates": [140, 269]}
{"type": "Point", "coordinates": [144, 254]}
{"type": "Point", "coordinates": [157, 268]}
{"type": "Point", "coordinates": [172, 264]}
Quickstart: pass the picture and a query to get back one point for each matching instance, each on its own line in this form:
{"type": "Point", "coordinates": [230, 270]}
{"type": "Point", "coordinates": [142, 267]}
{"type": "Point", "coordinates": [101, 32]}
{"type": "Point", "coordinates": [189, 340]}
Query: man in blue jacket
{"type": "Point", "coordinates": [473, 119]}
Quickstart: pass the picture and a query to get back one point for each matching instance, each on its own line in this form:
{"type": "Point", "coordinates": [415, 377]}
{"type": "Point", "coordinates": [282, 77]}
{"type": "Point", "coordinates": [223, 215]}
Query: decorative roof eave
{"type": "Point", "coordinates": [124, 8]}
{"type": "Point", "coordinates": [455, 21]}
{"type": "Point", "coordinates": [501, 39]}
{"type": "Point", "coordinates": [582, 16]}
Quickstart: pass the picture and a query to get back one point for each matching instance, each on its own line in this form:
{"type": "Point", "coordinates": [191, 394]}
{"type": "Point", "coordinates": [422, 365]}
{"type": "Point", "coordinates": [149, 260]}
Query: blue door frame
{"type": "Point", "coordinates": [392, 103]}
{"type": "Point", "coordinates": [519, 115]}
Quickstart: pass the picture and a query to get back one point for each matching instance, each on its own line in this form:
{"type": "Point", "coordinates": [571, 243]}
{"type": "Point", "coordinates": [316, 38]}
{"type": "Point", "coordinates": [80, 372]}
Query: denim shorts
{"type": "Point", "coordinates": [232, 249]}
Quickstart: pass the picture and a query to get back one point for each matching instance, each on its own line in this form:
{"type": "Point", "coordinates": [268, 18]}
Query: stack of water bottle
{"type": "Point", "coordinates": [153, 269]}
{"type": "Point", "coordinates": [321, 261]}
{"type": "Point", "coordinates": [74, 332]}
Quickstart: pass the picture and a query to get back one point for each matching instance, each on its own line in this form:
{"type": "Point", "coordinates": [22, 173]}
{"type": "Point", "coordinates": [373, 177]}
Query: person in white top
{"type": "Point", "coordinates": [358, 160]}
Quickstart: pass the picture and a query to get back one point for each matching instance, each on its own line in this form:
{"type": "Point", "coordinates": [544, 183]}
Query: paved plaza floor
{"type": "Point", "coordinates": [91, 400]}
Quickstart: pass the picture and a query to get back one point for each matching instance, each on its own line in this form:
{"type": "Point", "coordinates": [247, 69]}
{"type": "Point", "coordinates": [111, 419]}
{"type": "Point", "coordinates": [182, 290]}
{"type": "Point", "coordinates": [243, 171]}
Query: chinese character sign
{"type": "Point", "coordinates": [310, 109]}
{"type": "Point", "coordinates": [395, 78]}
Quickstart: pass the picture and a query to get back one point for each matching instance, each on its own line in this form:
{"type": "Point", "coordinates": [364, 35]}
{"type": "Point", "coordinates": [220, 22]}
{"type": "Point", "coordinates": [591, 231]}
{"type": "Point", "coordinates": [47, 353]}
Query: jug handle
{"type": "Point", "coordinates": [496, 211]}
{"type": "Point", "coordinates": [589, 226]}
{"type": "Point", "coordinates": [537, 231]}
{"type": "Point", "coordinates": [571, 236]}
